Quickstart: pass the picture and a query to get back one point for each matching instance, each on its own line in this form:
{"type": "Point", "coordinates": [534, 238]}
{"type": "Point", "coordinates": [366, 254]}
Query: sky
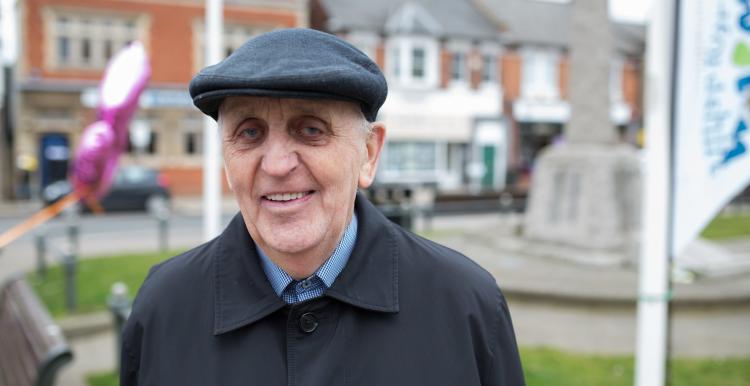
{"type": "Point", "coordinates": [630, 10]}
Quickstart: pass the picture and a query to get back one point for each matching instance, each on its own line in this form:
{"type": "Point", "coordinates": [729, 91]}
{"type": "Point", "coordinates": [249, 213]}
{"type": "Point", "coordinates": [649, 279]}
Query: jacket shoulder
{"type": "Point", "coordinates": [177, 279]}
{"type": "Point", "coordinates": [443, 269]}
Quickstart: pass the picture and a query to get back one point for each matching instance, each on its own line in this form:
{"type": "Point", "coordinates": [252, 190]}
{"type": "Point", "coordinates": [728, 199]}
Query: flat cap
{"type": "Point", "coordinates": [293, 63]}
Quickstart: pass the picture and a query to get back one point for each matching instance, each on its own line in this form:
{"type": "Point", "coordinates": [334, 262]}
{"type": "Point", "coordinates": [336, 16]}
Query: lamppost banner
{"type": "Point", "coordinates": [711, 161]}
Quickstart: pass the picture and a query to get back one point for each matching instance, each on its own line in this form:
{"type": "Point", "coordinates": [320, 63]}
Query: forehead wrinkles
{"type": "Point", "coordinates": [261, 107]}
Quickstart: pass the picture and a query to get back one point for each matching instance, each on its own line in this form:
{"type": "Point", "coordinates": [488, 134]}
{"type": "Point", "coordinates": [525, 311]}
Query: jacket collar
{"type": "Point", "coordinates": [243, 295]}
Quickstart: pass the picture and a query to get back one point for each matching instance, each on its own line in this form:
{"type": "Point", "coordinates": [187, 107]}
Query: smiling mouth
{"type": "Point", "coordinates": [287, 197]}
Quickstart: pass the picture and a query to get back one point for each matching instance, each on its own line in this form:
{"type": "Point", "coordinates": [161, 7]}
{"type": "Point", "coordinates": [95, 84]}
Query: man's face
{"type": "Point", "coordinates": [294, 166]}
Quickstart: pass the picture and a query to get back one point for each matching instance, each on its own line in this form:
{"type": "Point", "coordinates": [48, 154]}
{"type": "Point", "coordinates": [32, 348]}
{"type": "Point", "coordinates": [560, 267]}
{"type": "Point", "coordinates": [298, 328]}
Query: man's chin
{"type": "Point", "coordinates": [291, 246]}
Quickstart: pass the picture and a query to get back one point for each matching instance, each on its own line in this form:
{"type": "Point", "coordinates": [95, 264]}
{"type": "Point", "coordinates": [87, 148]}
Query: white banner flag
{"type": "Point", "coordinates": [712, 117]}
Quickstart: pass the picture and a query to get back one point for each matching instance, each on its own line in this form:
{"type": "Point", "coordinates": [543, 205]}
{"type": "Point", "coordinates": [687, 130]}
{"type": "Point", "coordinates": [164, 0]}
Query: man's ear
{"type": "Point", "coordinates": [373, 147]}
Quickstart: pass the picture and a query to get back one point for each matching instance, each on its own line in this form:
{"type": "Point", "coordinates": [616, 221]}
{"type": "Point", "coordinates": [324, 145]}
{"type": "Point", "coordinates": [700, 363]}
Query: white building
{"type": "Point", "coordinates": [444, 107]}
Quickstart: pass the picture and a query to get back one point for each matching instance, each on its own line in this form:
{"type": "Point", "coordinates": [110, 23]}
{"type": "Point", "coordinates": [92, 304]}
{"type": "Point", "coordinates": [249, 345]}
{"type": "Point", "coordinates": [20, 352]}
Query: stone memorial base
{"type": "Point", "coordinates": [584, 203]}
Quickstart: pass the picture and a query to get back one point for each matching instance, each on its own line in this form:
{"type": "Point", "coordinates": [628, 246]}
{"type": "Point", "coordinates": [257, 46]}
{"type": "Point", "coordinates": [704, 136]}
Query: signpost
{"type": "Point", "coordinates": [696, 153]}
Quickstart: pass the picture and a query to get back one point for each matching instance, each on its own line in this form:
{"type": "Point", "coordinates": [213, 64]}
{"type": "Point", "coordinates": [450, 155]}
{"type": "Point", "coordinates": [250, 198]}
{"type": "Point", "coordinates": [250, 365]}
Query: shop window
{"type": "Point", "coordinates": [410, 156]}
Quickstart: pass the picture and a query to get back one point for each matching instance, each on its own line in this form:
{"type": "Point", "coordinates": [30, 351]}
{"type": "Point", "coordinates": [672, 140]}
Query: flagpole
{"type": "Point", "coordinates": [654, 285]}
{"type": "Point", "coordinates": [211, 151]}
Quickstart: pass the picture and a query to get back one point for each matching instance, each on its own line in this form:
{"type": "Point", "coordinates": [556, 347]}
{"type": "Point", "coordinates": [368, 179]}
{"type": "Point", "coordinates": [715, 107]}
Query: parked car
{"type": "Point", "coordinates": [133, 188]}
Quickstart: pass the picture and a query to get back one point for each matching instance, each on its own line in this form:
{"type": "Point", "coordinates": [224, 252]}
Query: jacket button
{"type": "Point", "coordinates": [308, 322]}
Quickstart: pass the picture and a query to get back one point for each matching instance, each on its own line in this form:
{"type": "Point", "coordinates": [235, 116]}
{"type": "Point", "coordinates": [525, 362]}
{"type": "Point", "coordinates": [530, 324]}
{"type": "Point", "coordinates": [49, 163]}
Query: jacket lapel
{"type": "Point", "coordinates": [242, 293]}
{"type": "Point", "coordinates": [370, 278]}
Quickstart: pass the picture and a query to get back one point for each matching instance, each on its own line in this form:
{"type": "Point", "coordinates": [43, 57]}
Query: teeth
{"type": "Point", "coordinates": [285, 196]}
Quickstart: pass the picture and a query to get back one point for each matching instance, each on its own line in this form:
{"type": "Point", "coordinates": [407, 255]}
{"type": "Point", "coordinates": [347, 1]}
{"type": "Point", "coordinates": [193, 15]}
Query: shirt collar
{"type": "Point", "coordinates": [242, 293]}
{"type": "Point", "coordinates": [327, 273]}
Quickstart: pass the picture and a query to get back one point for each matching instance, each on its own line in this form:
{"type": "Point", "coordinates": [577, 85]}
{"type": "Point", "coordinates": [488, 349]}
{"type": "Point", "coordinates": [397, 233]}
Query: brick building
{"type": "Point", "coordinates": [66, 44]}
{"type": "Point", "coordinates": [477, 87]}
{"type": "Point", "coordinates": [535, 73]}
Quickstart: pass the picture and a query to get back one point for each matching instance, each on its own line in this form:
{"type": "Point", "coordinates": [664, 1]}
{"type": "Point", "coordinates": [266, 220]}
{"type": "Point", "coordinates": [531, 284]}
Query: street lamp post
{"type": "Point", "coordinates": [8, 13]}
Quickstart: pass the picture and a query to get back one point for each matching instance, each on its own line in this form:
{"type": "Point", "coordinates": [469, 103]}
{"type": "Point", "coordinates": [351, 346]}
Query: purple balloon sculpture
{"type": "Point", "coordinates": [103, 141]}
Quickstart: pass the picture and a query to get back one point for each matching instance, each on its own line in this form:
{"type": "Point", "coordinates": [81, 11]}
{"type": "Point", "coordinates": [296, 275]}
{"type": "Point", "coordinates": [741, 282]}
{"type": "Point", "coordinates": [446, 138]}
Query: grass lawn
{"type": "Point", "coordinates": [547, 367]}
{"type": "Point", "coordinates": [94, 280]}
{"type": "Point", "coordinates": [728, 226]}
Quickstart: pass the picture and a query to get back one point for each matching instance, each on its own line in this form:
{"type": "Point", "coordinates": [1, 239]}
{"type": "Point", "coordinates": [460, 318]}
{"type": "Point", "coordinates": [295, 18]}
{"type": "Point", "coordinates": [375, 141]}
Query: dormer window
{"type": "Point", "coordinates": [413, 61]}
{"type": "Point", "coordinates": [412, 46]}
{"type": "Point", "coordinates": [418, 63]}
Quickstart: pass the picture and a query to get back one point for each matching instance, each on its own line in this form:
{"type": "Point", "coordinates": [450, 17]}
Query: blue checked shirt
{"type": "Point", "coordinates": [293, 291]}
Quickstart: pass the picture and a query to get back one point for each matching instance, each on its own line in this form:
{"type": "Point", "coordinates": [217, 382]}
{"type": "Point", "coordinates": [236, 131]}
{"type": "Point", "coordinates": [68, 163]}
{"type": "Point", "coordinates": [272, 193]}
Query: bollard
{"type": "Point", "coordinates": [506, 202]}
{"type": "Point", "coordinates": [119, 305]}
{"type": "Point", "coordinates": [72, 219]}
{"type": "Point", "coordinates": [163, 233]}
{"type": "Point", "coordinates": [69, 263]}
{"type": "Point", "coordinates": [73, 237]}
{"type": "Point", "coordinates": [160, 210]}
{"type": "Point", "coordinates": [41, 250]}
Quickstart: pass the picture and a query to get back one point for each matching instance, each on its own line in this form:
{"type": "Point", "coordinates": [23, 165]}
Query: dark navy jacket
{"type": "Point", "coordinates": [404, 311]}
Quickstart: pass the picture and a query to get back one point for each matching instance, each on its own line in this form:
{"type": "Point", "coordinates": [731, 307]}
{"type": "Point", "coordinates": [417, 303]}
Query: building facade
{"type": "Point", "coordinates": [444, 107]}
{"type": "Point", "coordinates": [536, 70]}
{"type": "Point", "coordinates": [477, 87]}
{"type": "Point", "coordinates": [66, 45]}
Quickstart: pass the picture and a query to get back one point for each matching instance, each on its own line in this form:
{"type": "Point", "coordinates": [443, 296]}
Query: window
{"type": "Point", "coordinates": [395, 62]}
{"type": "Point", "coordinates": [191, 143]}
{"type": "Point", "coordinates": [413, 61]}
{"type": "Point", "coordinates": [410, 156]}
{"type": "Point", "coordinates": [235, 35]}
{"type": "Point", "coordinates": [616, 70]}
{"type": "Point", "coordinates": [540, 74]}
{"type": "Point", "coordinates": [489, 68]}
{"type": "Point", "coordinates": [150, 146]}
{"type": "Point", "coordinates": [418, 63]}
{"type": "Point", "coordinates": [458, 66]}
{"type": "Point", "coordinates": [87, 40]}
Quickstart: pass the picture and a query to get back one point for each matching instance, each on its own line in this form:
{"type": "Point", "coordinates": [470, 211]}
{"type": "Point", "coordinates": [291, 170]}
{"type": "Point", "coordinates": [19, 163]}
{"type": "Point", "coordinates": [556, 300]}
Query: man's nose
{"type": "Point", "coordinates": [280, 158]}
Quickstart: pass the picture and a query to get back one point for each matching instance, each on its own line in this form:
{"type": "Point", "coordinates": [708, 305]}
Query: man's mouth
{"type": "Point", "coordinates": [286, 197]}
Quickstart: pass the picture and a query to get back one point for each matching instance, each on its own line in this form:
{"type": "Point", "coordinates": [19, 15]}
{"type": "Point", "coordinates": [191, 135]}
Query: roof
{"type": "Point", "coordinates": [455, 18]}
{"type": "Point", "coordinates": [520, 21]}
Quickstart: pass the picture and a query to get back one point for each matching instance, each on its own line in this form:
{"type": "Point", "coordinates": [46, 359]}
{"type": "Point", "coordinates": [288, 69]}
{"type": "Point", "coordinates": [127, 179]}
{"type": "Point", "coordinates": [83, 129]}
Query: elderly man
{"type": "Point", "coordinates": [309, 284]}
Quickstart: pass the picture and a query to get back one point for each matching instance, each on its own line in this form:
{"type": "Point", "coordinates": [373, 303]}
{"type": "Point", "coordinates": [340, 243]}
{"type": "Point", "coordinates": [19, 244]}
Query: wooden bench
{"type": "Point", "coordinates": [32, 346]}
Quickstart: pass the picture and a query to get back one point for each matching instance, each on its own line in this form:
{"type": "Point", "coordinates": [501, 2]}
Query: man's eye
{"type": "Point", "coordinates": [250, 133]}
{"type": "Point", "coordinates": [311, 131]}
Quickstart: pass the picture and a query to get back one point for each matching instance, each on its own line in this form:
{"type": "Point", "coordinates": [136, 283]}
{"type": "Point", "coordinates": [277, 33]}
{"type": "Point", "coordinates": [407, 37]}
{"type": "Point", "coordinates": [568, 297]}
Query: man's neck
{"type": "Point", "coordinates": [304, 264]}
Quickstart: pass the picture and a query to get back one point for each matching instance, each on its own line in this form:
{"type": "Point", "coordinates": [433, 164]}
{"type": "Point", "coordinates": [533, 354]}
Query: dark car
{"type": "Point", "coordinates": [133, 188]}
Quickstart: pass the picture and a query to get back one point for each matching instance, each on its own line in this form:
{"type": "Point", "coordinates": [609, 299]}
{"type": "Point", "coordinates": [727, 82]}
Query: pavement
{"type": "Point", "coordinates": [560, 303]}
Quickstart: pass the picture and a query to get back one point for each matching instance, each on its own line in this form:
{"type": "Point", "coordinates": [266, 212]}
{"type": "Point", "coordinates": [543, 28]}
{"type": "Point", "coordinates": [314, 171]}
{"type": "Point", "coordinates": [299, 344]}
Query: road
{"type": "Point", "coordinates": [99, 235]}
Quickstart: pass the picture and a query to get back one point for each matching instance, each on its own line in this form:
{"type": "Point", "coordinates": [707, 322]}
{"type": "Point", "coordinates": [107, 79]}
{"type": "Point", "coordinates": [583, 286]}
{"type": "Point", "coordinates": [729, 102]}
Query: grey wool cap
{"type": "Point", "coordinates": [293, 63]}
